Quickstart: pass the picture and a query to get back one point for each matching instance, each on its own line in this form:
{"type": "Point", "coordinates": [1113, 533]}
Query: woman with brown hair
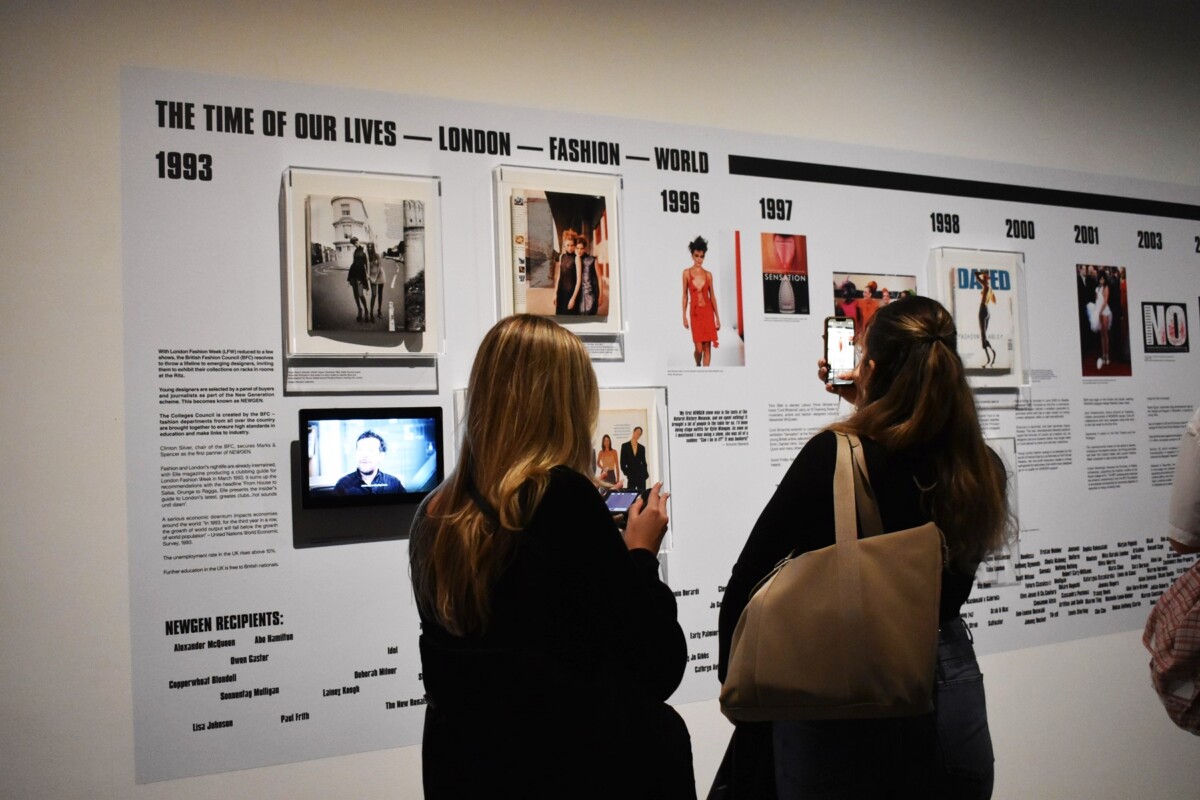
{"type": "Point", "coordinates": [927, 460]}
{"type": "Point", "coordinates": [549, 645]}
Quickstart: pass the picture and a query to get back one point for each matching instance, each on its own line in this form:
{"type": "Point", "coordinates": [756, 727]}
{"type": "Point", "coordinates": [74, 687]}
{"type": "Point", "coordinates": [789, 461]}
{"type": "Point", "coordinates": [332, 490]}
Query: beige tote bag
{"type": "Point", "coordinates": [848, 631]}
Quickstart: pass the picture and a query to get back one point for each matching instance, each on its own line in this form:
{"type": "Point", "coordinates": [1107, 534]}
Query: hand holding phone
{"type": "Point", "coordinates": [840, 354]}
{"type": "Point", "coordinates": [647, 521]}
{"type": "Point", "coordinates": [619, 501]}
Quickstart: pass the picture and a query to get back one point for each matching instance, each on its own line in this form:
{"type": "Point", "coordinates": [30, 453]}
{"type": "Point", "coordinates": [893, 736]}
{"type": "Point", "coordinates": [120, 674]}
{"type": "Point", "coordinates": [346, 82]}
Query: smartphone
{"type": "Point", "coordinates": [840, 354]}
{"type": "Point", "coordinates": [619, 500]}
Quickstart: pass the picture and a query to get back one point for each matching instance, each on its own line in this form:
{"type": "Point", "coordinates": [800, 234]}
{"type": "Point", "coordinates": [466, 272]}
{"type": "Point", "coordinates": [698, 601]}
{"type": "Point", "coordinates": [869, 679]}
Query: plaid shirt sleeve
{"type": "Point", "coordinates": [1172, 636]}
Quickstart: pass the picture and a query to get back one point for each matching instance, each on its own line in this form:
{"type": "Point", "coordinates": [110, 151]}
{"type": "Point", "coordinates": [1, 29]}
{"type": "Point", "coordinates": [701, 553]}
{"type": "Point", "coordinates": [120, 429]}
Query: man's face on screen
{"type": "Point", "coordinates": [369, 455]}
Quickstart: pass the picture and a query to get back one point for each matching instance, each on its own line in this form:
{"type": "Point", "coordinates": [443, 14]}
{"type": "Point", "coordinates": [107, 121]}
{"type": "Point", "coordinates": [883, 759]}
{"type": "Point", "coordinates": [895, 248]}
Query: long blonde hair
{"type": "Point", "coordinates": [532, 403]}
{"type": "Point", "coordinates": [914, 397]}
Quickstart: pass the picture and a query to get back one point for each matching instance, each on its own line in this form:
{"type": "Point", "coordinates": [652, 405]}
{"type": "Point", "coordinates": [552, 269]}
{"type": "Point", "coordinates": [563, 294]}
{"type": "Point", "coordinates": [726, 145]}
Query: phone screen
{"type": "Point", "coordinates": [619, 502]}
{"type": "Point", "coordinates": [839, 347]}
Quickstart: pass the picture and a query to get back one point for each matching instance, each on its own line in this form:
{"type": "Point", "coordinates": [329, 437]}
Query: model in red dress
{"type": "Point", "coordinates": [700, 304]}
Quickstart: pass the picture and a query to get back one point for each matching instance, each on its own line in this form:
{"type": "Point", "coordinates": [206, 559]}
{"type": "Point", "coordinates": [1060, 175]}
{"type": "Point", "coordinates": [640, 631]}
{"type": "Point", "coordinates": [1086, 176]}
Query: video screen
{"type": "Point", "coordinates": [369, 456]}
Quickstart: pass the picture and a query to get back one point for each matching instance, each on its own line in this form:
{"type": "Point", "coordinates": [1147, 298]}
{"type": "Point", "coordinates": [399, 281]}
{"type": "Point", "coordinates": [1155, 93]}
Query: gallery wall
{"type": "Point", "coordinates": [1110, 92]}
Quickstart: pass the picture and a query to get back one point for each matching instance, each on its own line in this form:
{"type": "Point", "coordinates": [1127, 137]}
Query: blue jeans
{"type": "Point", "coordinates": [965, 759]}
{"type": "Point", "coordinates": [944, 754]}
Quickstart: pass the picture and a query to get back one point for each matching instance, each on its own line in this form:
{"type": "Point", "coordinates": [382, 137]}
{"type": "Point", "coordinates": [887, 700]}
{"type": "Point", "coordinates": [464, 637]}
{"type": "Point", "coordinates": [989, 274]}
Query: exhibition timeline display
{"type": "Point", "coordinates": [308, 272]}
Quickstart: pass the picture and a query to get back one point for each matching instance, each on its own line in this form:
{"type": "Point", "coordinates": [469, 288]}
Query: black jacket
{"type": "Point", "coordinates": [564, 694]}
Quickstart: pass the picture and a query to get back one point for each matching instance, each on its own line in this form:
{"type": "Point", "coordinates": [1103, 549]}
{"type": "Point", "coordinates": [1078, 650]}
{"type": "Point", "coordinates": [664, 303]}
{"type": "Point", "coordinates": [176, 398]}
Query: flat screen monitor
{"type": "Point", "coordinates": [354, 457]}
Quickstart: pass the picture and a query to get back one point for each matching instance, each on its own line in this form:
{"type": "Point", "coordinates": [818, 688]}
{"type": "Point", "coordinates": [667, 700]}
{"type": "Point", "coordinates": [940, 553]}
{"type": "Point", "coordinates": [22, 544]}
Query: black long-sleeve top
{"type": "Point", "coordinates": [799, 517]}
{"type": "Point", "coordinates": [582, 642]}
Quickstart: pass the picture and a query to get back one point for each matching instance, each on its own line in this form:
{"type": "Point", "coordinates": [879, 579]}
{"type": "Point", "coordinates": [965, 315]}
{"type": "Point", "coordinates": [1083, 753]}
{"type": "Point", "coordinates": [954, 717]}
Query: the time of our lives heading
{"type": "Point", "coordinates": [247, 121]}
{"type": "Point", "coordinates": [276, 123]}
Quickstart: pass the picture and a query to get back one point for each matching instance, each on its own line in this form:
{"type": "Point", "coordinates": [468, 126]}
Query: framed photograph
{"type": "Point", "coordinates": [984, 290]}
{"type": "Point", "coordinates": [858, 295]}
{"type": "Point", "coordinates": [629, 445]}
{"type": "Point", "coordinates": [363, 277]}
{"type": "Point", "coordinates": [559, 244]}
{"type": "Point", "coordinates": [784, 274]}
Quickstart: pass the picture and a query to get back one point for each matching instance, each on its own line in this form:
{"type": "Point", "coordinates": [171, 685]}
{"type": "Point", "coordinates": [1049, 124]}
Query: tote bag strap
{"type": "Point", "coordinates": [844, 493]}
{"type": "Point", "coordinates": [868, 508]}
{"type": "Point", "coordinates": [850, 596]}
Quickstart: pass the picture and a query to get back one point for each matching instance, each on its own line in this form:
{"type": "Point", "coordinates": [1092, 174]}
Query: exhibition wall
{"type": "Point", "coordinates": [146, 278]}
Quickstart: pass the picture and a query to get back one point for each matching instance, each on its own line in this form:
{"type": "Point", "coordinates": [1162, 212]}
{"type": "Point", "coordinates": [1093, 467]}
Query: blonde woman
{"type": "Point", "coordinates": [548, 644]}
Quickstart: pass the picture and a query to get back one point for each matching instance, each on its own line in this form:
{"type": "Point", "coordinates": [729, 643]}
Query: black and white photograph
{"type": "Point", "coordinates": [363, 275]}
{"type": "Point", "coordinates": [366, 264]}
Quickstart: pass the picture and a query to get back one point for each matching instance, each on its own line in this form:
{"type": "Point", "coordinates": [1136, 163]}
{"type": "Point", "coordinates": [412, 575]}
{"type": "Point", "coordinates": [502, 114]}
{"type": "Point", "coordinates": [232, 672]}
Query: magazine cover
{"type": "Point", "coordinates": [560, 250]}
{"type": "Point", "coordinates": [985, 291]}
{"type": "Point", "coordinates": [1165, 327]}
{"type": "Point", "coordinates": [982, 302]}
{"type": "Point", "coordinates": [784, 273]}
{"type": "Point", "coordinates": [559, 253]}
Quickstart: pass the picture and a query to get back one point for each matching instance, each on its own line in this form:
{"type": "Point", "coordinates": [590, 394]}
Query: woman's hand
{"type": "Point", "coordinates": [846, 391]}
{"type": "Point", "coordinates": [647, 522]}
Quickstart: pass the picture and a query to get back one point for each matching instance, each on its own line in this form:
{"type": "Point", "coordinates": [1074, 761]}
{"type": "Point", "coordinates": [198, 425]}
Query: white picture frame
{"type": "Point", "coordinates": [397, 218]}
{"type": "Point", "coordinates": [534, 208]}
{"type": "Point", "coordinates": [953, 272]}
